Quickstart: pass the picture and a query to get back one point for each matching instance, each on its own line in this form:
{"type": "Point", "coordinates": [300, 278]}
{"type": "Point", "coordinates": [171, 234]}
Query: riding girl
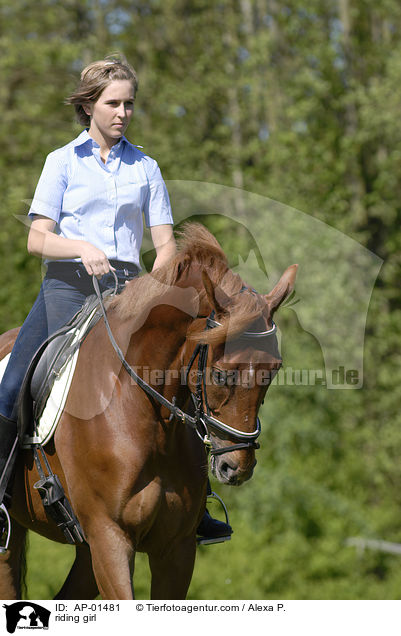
{"type": "Point", "coordinates": [86, 220]}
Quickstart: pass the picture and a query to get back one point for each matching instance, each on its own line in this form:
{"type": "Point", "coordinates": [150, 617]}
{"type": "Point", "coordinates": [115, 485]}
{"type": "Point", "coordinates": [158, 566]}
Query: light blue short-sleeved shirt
{"type": "Point", "coordinates": [102, 203]}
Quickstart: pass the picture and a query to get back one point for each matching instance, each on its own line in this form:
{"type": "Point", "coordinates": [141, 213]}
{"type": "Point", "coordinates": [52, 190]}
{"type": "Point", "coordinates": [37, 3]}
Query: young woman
{"type": "Point", "coordinates": [87, 220]}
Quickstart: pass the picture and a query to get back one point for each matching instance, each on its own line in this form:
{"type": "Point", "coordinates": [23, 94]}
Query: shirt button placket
{"type": "Point", "coordinates": [112, 199]}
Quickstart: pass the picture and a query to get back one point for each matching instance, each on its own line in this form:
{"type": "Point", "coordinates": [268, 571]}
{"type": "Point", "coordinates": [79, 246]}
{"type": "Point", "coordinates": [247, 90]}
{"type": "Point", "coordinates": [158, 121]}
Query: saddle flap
{"type": "Point", "coordinates": [48, 362]}
{"type": "Point", "coordinates": [48, 367]}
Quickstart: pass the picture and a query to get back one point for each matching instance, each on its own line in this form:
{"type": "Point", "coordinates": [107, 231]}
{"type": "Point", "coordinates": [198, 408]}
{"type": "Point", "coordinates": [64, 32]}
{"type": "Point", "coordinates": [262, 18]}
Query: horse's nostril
{"type": "Point", "coordinates": [224, 468]}
{"type": "Point", "coordinates": [228, 472]}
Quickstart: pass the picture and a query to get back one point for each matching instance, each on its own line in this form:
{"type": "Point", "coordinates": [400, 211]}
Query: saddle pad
{"type": "Point", "coordinates": [49, 419]}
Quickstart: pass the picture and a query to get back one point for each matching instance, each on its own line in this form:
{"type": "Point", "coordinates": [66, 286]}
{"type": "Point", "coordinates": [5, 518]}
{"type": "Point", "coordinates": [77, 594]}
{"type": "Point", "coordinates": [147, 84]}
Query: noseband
{"type": "Point", "coordinates": [203, 419]}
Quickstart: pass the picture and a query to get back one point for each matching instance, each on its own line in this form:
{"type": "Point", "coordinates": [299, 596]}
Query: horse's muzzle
{"type": "Point", "coordinates": [228, 470]}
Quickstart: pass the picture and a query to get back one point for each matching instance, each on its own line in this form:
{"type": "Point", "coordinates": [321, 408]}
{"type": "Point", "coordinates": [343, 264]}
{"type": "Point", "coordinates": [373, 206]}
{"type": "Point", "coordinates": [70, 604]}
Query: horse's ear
{"type": "Point", "coordinates": [282, 290]}
{"type": "Point", "coordinates": [211, 293]}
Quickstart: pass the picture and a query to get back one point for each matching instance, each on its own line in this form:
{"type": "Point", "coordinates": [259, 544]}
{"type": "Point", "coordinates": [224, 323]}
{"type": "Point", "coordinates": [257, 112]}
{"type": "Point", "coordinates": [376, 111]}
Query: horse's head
{"type": "Point", "coordinates": [237, 341]}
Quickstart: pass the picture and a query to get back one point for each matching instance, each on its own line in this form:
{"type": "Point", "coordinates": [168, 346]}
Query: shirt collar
{"type": "Point", "coordinates": [85, 138]}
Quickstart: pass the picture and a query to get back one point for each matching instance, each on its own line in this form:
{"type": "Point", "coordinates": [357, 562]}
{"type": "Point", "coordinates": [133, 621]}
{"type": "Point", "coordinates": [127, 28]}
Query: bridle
{"type": "Point", "coordinates": [202, 420]}
{"type": "Point", "coordinates": [200, 401]}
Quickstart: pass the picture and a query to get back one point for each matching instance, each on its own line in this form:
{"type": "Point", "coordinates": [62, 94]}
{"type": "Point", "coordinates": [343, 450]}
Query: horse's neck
{"type": "Point", "coordinates": [158, 344]}
{"type": "Point", "coordinates": [155, 338]}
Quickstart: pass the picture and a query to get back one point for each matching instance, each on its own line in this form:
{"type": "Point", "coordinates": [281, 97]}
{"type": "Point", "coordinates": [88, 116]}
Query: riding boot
{"type": "Point", "coordinates": [211, 530]}
{"type": "Point", "coordinates": [8, 455]}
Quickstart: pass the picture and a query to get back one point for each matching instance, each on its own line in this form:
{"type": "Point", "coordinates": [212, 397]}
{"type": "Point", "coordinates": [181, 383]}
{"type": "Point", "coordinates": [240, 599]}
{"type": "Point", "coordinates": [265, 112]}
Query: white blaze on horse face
{"type": "Point", "coordinates": [249, 377]}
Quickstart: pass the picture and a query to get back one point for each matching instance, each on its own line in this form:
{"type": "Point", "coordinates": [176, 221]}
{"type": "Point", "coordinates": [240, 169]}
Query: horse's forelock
{"type": "Point", "coordinates": [241, 312]}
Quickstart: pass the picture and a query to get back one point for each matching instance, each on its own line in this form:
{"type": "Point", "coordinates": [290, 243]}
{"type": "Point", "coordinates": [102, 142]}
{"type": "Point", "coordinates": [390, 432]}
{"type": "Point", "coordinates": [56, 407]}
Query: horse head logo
{"type": "Point", "coordinates": [24, 615]}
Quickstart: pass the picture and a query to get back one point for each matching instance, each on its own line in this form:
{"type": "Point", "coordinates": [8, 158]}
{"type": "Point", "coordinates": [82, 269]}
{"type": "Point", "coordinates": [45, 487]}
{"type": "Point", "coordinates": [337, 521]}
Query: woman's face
{"type": "Point", "coordinates": [112, 112]}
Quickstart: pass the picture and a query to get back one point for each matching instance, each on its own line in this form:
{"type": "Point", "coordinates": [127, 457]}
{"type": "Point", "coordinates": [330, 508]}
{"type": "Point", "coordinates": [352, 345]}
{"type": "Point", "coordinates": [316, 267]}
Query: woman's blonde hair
{"type": "Point", "coordinates": [94, 79]}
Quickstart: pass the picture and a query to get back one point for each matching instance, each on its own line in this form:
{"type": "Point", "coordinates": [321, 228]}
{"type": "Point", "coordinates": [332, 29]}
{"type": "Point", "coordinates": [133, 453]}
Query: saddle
{"type": "Point", "coordinates": [47, 366]}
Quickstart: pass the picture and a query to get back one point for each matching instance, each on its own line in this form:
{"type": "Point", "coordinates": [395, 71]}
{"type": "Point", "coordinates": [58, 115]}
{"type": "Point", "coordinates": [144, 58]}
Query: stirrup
{"type": "Point", "coordinates": [205, 540]}
{"type": "Point", "coordinates": [55, 501]}
{"type": "Point", "coordinates": [7, 529]}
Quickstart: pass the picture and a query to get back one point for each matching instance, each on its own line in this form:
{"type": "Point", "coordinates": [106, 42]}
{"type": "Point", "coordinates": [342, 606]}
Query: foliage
{"type": "Point", "coordinates": [294, 101]}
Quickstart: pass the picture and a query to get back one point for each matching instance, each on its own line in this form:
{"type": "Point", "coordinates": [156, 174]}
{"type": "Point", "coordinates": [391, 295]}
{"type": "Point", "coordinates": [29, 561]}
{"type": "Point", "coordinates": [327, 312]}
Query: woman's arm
{"type": "Point", "coordinates": [43, 242]}
{"type": "Point", "coordinates": [164, 243]}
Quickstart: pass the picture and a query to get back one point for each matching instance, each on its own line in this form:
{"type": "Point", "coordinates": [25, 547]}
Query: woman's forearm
{"type": "Point", "coordinates": [164, 254]}
{"type": "Point", "coordinates": [46, 244]}
{"type": "Point", "coordinates": [164, 242]}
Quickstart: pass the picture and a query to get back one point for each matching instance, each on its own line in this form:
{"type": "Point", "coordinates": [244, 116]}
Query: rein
{"type": "Point", "coordinates": [202, 420]}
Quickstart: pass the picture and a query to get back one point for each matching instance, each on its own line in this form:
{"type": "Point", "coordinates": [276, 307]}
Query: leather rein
{"type": "Point", "coordinates": [202, 420]}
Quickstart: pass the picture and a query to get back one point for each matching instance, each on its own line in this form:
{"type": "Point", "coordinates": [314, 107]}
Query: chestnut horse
{"type": "Point", "coordinates": [134, 466]}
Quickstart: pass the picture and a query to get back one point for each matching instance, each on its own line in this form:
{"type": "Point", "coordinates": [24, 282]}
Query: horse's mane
{"type": "Point", "coordinates": [197, 248]}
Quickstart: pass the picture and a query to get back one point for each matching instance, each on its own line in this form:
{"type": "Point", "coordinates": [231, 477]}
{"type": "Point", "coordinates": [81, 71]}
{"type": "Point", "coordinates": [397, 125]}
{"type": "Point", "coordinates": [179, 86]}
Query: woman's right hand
{"type": "Point", "coordinates": [95, 261]}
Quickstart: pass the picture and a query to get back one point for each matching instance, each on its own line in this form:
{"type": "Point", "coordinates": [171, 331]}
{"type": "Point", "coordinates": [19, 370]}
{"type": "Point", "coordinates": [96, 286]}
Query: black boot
{"type": "Point", "coordinates": [213, 531]}
{"type": "Point", "coordinates": [8, 455]}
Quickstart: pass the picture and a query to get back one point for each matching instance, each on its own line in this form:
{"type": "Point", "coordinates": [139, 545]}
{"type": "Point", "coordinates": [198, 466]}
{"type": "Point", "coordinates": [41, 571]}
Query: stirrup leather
{"type": "Point", "coordinates": [55, 501]}
{"type": "Point", "coordinates": [7, 529]}
{"type": "Point", "coordinates": [205, 540]}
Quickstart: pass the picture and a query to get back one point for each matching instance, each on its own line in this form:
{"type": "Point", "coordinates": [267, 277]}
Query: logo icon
{"type": "Point", "coordinates": [24, 615]}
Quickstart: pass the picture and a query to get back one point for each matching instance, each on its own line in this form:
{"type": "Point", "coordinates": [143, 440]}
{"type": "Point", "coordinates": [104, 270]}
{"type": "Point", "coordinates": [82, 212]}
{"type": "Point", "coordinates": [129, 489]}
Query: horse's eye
{"type": "Point", "coordinates": [223, 377]}
{"type": "Point", "coordinates": [219, 377]}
